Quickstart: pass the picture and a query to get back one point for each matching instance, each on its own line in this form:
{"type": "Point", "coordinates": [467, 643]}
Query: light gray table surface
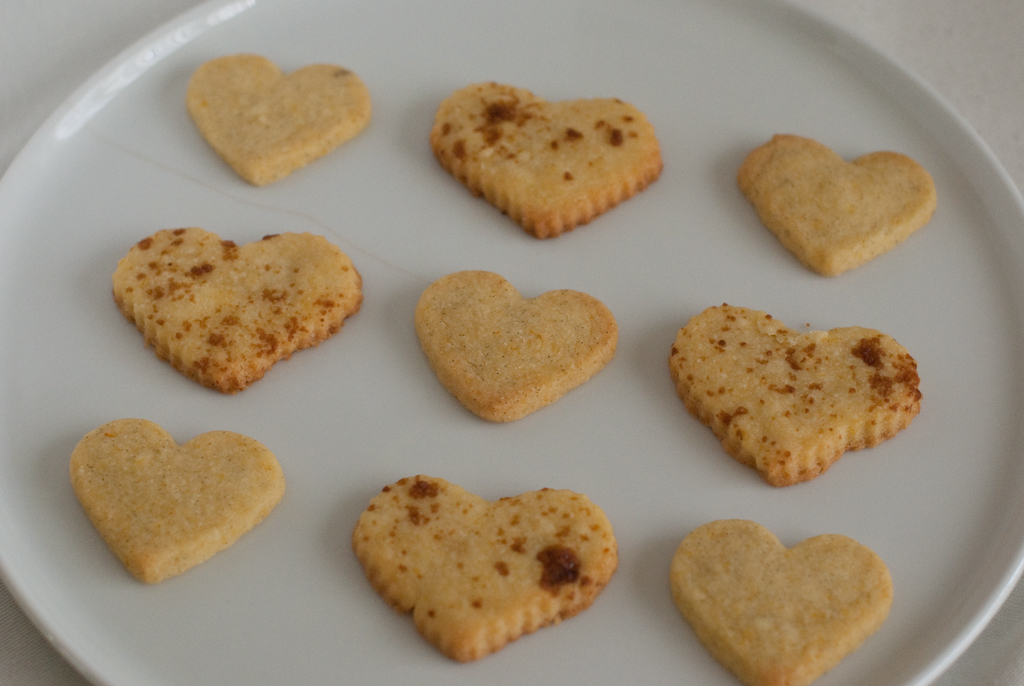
{"type": "Point", "coordinates": [970, 51]}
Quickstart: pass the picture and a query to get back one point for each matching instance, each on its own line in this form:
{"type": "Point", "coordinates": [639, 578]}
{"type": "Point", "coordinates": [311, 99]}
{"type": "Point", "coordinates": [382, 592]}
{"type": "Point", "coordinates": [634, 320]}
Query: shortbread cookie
{"type": "Point", "coordinates": [477, 574]}
{"type": "Point", "coordinates": [504, 356]}
{"type": "Point", "coordinates": [831, 214]}
{"type": "Point", "coordinates": [550, 166]}
{"type": "Point", "coordinates": [164, 508]}
{"type": "Point", "coordinates": [223, 314]}
{"type": "Point", "coordinates": [266, 125]}
{"type": "Point", "coordinates": [775, 616]}
{"type": "Point", "coordinates": [790, 404]}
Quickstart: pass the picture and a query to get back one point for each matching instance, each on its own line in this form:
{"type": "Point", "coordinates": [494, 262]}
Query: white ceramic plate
{"type": "Point", "coordinates": [941, 503]}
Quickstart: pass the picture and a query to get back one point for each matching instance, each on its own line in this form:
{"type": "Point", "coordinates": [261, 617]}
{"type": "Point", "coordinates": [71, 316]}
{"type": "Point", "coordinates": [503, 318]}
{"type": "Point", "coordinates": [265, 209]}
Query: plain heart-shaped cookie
{"type": "Point", "coordinates": [550, 166]}
{"type": "Point", "coordinates": [831, 214]}
{"type": "Point", "coordinates": [265, 124]}
{"type": "Point", "coordinates": [223, 314]}
{"type": "Point", "coordinates": [504, 356]}
{"type": "Point", "coordinates": [477, 574]}
{"type": "Point", "coordinates": [775, 616]}
{"type": "Point", "coordinates": [790, 404]}
{"type": "Point", "coordinates": [164, 508]}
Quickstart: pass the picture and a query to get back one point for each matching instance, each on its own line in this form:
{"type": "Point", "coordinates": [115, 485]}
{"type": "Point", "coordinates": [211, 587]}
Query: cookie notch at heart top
{"type": "Point", "coordinates": [477, 574]}
{"type": "Point", "coordinates": [790, 404]}
{"type": "Point", "coordinates": [775, 616]}
{"type": "Point", "coordinates": [265, 124]}
{"type": "Point", "coordinates": [551, 166]}
{"type": "Point", "coordinates": [223, 314]}
{"type": "Point", "coordinates": [164, 508]}
{"type": "Point", "coordinates": [504, 356]}
{"type": "Point", "coordinates": [831, 214]}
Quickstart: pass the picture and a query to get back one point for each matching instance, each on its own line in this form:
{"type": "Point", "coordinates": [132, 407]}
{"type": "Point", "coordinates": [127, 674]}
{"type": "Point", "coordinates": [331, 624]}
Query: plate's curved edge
{"type": "Point", "coordinates": [131, 63]}
{"type": "Point", "coordinates": [901, 81]}
{"type": "Point", "coordinates": [1003, 200]}
{"type": "Point", "coordinates": [74, 113]}
{"type": "Point", "coordinates": [1001, 197]}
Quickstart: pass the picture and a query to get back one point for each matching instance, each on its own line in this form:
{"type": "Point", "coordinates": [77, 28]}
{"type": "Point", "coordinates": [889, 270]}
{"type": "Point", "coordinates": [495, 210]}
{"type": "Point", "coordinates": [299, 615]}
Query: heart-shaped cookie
{"type": "Point", "coordinates": [775, 616]}
{"type": "Point", "coordinates": [164, 508]}
{"type": "Point", "coordinates": [224, 314]}
{"type": "Point", "coordinates": [477, 574]}
{"type": "Point", "coordinates": [503, 355]}
{"type": "Point", "coordinates": [831, 214]}
{"type": "Point", "coordinates": [550, 166]}
{"type": "Point", "coordinates": [266, 125]}
{"type": "Point", "coordinates": [790, 404]}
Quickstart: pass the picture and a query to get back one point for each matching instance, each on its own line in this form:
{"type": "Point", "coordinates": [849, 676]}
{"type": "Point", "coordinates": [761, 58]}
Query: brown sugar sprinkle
{"type": "Point", "coordinates": [906, 375]}
{"type": "Point", "coordinates": [906, 371]}
{"type": "Point", "coordinates": [500, 111]}
{"type": "Point", "coordinates": [869, 350]}
{"type": "Point", "coordinates": [414, 515]}
{"type": "Point", "coordinates": [560, 566]}
{"type": "Point", "coordinates": [727, 417]}
{"type": "Point", "coordinates": [273, 296]}
{"type": "Point", "coordinates": [423, 489]}
{"type": "Point", "coordinates": [491, 135]}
